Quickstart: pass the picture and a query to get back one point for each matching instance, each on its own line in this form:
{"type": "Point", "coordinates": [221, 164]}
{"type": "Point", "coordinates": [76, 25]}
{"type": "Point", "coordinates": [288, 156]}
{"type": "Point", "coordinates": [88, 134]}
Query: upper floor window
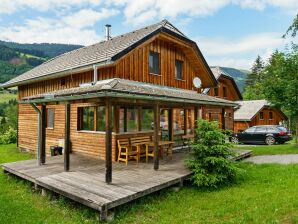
{"type": "Point", "coordinates": [50, 118]}
{"type": "Point", "coordinates": [62, 81]}
{"type": "Point", "coordinates": [178, 69]}
{"type": "Point", "coordinates": [216, 91]}
{"type": "Point", "coordinates": [154, 62]}
{"type": "Point", "coordinates": [261, 115]}
{"type": "Point", "coordinates": [270, 115]}
{"type": "Point", "coordinates": [224, 90]}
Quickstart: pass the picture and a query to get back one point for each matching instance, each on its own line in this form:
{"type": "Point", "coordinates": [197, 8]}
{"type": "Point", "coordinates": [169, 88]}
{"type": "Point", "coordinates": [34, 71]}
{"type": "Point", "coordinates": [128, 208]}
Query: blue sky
{"type": "Point", "coordinates": [228, 32]}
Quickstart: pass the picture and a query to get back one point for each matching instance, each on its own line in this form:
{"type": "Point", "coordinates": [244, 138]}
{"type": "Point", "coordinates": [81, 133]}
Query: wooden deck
{"type": "Point", "coordinates": [85, 183]}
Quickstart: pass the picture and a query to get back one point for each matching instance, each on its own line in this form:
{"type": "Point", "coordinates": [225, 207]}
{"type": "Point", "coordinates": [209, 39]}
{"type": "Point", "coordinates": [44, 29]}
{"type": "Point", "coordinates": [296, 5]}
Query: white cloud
{"type": "Point", "coordinates": [11, 6]}
{"type": "Point", "coordinates": [75, 29]}
{"type": "Point", "coordinates": [240, 53]}
{"type": "Point", "coordinates": [134, 10]}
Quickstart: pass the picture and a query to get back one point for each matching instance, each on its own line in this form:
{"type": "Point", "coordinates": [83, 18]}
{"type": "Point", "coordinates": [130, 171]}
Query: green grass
{"type": "Point", "coordinates": [267, 194]}
{"type": "Point", "coordinates": [5, 97]}
{"type": "Point", "coordinates": [287, 148]}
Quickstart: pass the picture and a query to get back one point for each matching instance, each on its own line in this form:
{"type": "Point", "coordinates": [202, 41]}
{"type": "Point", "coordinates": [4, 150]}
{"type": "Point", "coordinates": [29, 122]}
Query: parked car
{"type": "Point", "coordinates": [268, 134]}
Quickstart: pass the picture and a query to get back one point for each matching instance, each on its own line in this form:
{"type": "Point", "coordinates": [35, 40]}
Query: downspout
{"type": "Point", "coordinates": [95, 74]}
{"type": "Point", "coordinates": [39, 143]}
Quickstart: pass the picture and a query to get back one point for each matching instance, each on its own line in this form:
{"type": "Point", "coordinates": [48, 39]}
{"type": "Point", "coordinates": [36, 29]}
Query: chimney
{"type": "Point", "coordinates": [108, 30]}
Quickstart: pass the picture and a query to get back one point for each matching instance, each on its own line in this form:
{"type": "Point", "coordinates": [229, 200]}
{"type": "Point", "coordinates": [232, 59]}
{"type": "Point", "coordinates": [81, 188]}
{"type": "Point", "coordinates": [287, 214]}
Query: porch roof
{"type": "Point", "coordinates": [128, 89]}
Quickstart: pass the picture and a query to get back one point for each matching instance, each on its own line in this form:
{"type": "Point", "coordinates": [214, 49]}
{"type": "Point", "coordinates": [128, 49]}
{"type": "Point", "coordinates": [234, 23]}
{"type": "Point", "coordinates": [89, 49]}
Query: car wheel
{"type": "Point", "coordinates": [270, 140]}
{"type": "Point", "coordinates": [234, 140]}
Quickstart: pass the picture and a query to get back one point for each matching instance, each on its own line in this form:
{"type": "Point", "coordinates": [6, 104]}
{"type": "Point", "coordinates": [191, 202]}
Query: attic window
{"type": "Point", "coordinates": [62, 81]}
{"type": "Point", "coordinates": [178, 69]}
{"type": "Point", "coordinates": [215, 91]}
{"type": "Point", "coordinates": [270, 115]}
{"type": "Point", "coordinates": [261, 115]}
{"type": "Point", "coordinates": [154, 63]}
{"type": "Point", "coordinates": [224, 92]}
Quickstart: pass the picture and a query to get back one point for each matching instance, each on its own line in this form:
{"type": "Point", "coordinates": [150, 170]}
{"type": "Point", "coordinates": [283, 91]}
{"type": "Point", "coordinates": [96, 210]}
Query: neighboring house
{"type": "Point", "coordinates": [225, 89]}
{"type": "Point", "coordinates": [115, 89]}
{"type": "Point", "coordinates": [256, 112]}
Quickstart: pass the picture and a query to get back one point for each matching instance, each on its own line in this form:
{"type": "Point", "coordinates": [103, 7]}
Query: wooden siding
{"type": "Point", "coordinates": [277, 117]}
{"type": "Point", "coordinates": [231, 92]}
{"type": "Point", "coordinates": [84, 142]}
{"type": "Point", "coordinates": [133, 66]}
{"type": "Point", "coordinates": [214, 114]}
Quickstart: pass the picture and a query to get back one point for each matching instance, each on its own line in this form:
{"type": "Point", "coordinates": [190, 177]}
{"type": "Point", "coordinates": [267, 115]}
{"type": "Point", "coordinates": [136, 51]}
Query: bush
{"type": "Point", "coordinates": [10, 136]}
{"type": "Point", "coordinates": [211, 163]}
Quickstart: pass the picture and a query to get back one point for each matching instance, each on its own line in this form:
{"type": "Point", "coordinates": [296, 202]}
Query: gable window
{"type": "Point", "coordinates": [224, 90]}
{"type": "Point", "coordinates": [178, 69]}
{"type": "Point", "coordinates": [216, 91]}
{"type": "Point", "coordinates": [261, 115]}
{"type": "Point", "coordinates": [270, 115]}
{"type": "Point", "coordinates": [50, 118]}
{"type": "Point", "coordinates": [154, 62]}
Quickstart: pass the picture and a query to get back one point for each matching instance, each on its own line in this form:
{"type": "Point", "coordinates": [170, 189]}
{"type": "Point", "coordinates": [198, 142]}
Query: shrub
{"type": "Point", "coordinates": [211, 161]}
{"type": "Point", "coordinates": [10, 136]}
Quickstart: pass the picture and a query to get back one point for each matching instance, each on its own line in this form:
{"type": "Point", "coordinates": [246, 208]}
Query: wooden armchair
{"type": "Point", "coordinates": [126, 152]}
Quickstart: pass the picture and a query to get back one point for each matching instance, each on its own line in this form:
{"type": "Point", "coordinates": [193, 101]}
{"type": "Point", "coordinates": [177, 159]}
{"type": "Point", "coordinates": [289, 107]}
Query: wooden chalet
{"type": "Point", "coordinates": [131, 87]}
{"type": "Point", "coordinates": [256, 112]}
{"type": "Point", "coordinates": [225, 89]}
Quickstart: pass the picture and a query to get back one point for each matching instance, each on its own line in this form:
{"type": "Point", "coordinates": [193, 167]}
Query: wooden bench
{"type": "Point", "coordinates": [139, 143]}
{"type": "Point", "coordinates": [126, 152]}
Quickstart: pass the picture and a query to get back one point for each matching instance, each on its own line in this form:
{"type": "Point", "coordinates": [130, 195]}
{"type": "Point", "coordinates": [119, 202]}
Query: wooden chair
{"type": "Point", "coordinates": [125, 151]}
{"type": "Point", "coordinates": [139, 143]}
{"type": "Point", "coordinates": [149, 152]}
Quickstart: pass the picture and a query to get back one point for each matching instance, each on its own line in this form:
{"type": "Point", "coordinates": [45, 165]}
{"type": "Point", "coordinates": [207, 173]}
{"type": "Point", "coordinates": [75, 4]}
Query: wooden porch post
{"type": "Point", "coordinates": [156, 136]}
{"type": "Point", "coordinates": [108, 142]}
{"type": "Point", "coordinates": [185, 121]}
{"type": "Point", "coordinates": [43, 135]}
{"type": "Point", "coordinates": [125, 119]}
{"type": "Point", "coordinates": [139, 118]}
{"type": "Point", "coordinates": [223, 120]}
{"type": "Point", "coordinates": [196, 116]}
{"type": "Point", "coordinates": [67, 137]}
{"type": "Point", "coordinates": [170, 124]}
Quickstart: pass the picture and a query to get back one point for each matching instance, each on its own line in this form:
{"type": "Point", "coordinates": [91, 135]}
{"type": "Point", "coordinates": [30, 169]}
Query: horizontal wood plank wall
{"type": "Point", "coordinates": [230, 90]}
{"type": "Point", "coordinates": [87, 142]}
{"type": "Point", "coordinates": [135, 65]}
{"type": "Point", "coordinates": [266, 121]}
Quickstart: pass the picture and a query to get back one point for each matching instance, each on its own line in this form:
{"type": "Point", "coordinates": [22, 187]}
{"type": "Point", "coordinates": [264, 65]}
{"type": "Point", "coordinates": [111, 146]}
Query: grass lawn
{"type": "Point", "coordinates": [287, 148]}
{"type": "Point", "coordinates": [5, 97]}
{"type": "Point", "coordinates": [267, 194]}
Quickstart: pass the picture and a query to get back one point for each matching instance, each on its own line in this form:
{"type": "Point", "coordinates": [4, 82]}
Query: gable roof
{"type": "Point", "coordinates": [102, 53]}
{"type": "Point", "coordinates": [128, 89]}
{"type": "Point", "coordinates": [218, 73]}
{"type": "Point", "coordinates": [248, 109]}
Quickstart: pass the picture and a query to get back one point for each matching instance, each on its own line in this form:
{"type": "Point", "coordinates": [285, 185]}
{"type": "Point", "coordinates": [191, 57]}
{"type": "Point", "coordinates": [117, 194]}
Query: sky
{"type": "Point", "coordinates": [229, 32]}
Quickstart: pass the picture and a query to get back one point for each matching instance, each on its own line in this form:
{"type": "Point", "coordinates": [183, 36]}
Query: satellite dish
{"type": "Point", "coordinates": [197, 82]}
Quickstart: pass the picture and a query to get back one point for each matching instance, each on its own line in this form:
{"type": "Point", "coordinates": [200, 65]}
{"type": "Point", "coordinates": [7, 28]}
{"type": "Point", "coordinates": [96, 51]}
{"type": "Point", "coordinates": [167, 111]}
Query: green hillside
{"type": "Point", "coordinates": [16, 58]}
{"type": "Point", "coordinates": [239, 76]}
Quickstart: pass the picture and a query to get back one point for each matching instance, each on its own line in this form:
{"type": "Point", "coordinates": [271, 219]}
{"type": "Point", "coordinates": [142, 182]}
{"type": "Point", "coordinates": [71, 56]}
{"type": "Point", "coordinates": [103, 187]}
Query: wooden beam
{"type": "Point", "coordinates": [125, 119]}
{"type": "Point", "coordinates": [139, 118]}
{"type": "Point", "coordinates": [67, 137]}
{"type": "Point", "coordinates": [116, 127]}
{"type": "Point", "coordinates": [170, 124]}
{"type": "Point", "coordinates": [196, 116]}
{"type": "Point", "coordinates": [156, 135]}
{"type": "Point", "coordinates": [223, 120]}
{"type": "Point", "coordinates": [108, 141]}
{"type": "Point", "coordinates": [185, 121]}
{"type": "Point", "coordinates": [43, 134]}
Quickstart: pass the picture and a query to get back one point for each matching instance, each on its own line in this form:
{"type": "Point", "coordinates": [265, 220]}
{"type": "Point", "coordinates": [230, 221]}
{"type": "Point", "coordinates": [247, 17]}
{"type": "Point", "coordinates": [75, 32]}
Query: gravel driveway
{"type": "Point", "coordinates": [282, 159]}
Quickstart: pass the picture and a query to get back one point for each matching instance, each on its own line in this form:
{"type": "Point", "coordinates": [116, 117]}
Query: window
{"type": "Point", "coordinates": [100, 118]}
{"type": "Point", "coordinates": [216, 91]}
{"type": "Point", "coordinates": [147, 119]}
{"type": "Point", "coordinates": [50, 118]}
{"type": "Point", "coordinates": [87, 118]}
{"type": "Point", "coordinates": [224, 91]}
{"type": "Point", "coordinates": [270, 115]}
{"type": "Point", "coordinates": [261, 130]}
{"type": "Point", "coordinates": [261, 115]}
{"type": "Point", "coordinates": [250, 130]}
{"type": "Point", "coordinates": [154, 62]}
{"type": "Point", "coordinates": [178, 69]}
{"type": "Point", "coordinates": [62, 81]}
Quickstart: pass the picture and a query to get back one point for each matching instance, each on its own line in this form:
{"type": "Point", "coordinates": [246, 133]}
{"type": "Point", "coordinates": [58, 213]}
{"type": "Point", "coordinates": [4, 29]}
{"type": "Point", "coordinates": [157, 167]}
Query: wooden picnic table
{"type": "Point", "coordinates": [161, 146]}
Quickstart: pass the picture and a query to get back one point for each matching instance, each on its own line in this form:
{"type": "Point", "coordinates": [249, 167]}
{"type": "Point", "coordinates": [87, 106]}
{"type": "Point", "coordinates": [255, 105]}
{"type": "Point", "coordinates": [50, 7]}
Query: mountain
{"type": "Point", "coordinates": [16, 58]}
{"type": "Point", "coordinates": [239, 76]}
{"type": "Point", "coordinates": [43, 49]}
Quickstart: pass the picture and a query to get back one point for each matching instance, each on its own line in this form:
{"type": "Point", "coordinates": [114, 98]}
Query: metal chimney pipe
{"type": "Point", "coordinates": [108, 29]}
